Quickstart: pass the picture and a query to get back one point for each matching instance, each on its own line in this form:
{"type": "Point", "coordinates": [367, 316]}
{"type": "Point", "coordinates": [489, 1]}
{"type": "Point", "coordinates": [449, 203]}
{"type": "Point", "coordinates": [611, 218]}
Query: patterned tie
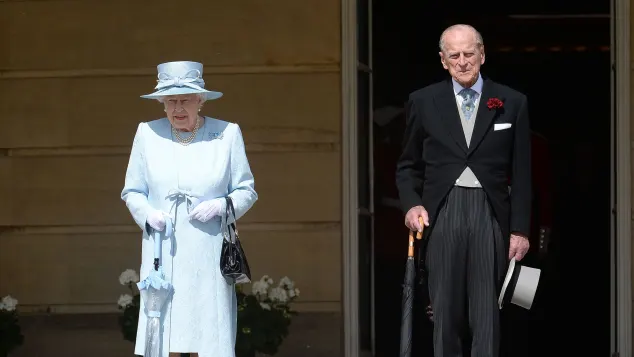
{"type": "Point", "coordinates": [468, 102]}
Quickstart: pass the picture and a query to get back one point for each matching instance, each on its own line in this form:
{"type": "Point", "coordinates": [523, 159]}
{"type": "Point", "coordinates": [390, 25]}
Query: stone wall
{"type": "Point", "coordinates": [71, 72]}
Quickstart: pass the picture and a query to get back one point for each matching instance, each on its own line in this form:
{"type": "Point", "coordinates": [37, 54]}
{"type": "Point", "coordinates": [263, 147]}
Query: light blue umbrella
{"type": "Point", "coordinates": [155, 291]}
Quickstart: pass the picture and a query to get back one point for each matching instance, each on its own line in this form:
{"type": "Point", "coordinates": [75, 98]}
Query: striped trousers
{"type": "Point", "coordinates": [466, 260]}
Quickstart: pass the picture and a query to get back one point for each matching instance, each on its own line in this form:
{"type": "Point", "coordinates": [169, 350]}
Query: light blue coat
{"type": "Point", "coordinates": [161, 174]}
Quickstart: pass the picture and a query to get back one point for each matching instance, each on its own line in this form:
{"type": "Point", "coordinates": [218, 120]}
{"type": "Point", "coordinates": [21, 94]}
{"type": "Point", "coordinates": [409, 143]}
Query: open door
{"type": "Point", "coordinates": [365, 178]}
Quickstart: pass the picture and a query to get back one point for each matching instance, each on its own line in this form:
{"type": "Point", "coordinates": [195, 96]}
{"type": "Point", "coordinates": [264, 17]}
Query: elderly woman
{"type": "Point", "coordinates": [182, 168]}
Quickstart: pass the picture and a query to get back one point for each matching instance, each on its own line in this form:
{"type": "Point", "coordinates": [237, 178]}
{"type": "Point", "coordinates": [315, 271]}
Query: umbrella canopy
{"type": "Point", "coordinates": [155, 291]}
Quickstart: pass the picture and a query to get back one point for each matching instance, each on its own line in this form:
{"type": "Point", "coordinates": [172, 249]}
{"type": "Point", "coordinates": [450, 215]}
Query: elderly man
{"type": "Point", "coordinates": [464, 138]}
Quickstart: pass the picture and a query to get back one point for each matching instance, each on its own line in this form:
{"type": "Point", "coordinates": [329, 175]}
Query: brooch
{"type": "Point", "coordinates": [216, 135]}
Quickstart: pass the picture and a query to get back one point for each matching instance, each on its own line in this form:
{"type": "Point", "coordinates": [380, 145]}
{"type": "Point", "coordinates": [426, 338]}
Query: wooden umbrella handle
{"type": "Point", "coordinates": [419, 235]}
{"type": "Point", "coordinates": [410, 247]}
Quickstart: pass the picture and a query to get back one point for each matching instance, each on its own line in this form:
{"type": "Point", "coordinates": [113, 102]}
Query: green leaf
{"type": "Point", "coordinates": [10, 332]}
{"type": "Point", "coordinates": [259, 330]}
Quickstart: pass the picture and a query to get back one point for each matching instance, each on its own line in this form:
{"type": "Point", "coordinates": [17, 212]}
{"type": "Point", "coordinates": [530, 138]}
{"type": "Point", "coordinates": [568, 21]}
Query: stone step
{"type": "Point", "coordinates": [98, 335]}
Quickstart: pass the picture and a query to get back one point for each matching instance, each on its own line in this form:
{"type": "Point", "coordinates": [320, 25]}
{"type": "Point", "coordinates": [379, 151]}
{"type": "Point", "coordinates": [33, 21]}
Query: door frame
{"type": "Point", "coordinates": [349, 158]}
{"type": "Point", "coordinates": [622, 194]}
{"type": "Point", "coordinates": [622, 253]}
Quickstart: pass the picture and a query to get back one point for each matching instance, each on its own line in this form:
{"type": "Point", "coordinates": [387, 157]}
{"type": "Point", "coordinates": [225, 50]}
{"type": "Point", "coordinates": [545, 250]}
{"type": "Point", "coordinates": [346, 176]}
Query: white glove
{"type": "Point", "coordinates": [207, 210]}
{"type": "Point", "coordinates": [156, 220]}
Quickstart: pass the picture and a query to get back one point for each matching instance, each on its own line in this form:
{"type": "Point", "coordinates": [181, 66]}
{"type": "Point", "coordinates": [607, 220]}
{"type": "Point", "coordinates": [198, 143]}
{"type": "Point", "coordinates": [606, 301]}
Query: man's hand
{"type": "Point", "coordinates": [411, 218]}
{"type": "Point", "coordinates": [518, 247]}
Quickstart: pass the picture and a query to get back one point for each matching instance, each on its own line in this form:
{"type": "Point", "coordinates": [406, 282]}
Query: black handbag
{"type": "Point", "coordinates": [233, 261]}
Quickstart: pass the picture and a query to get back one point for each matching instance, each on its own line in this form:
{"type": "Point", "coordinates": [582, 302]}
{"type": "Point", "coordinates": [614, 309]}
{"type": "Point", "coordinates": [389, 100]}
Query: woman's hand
{"type": "Point", "coordinates": [207, 210]}
{"type": "Point", "coordinates": [156, 220]}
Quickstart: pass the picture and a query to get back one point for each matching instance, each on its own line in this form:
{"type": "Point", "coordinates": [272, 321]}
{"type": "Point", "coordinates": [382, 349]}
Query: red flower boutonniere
{"type": "Point", "coordinates": [495, 103]}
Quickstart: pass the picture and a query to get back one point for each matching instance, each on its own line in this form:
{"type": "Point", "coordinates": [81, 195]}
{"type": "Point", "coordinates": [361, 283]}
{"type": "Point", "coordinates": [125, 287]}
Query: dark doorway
{"type": "Point", "coordinates": [557, 53]}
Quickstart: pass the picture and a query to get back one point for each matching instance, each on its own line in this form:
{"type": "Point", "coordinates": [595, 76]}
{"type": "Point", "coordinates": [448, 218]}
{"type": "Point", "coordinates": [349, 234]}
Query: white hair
{"type": "Point", "coordinates": [201, 96]}
{"type": "Point", "coordinates": [478, 36]}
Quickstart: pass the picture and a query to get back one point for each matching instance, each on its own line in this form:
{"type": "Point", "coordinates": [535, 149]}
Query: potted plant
{"type": "Point", "coordinates": [129, 304]}
{"type": "Point", "coordinates": [264, 315]}
{"type": "Point", "coordinates": [10, 333]}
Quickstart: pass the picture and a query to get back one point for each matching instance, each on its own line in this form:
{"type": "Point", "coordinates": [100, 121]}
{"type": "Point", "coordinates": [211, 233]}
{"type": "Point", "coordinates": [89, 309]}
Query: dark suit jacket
{"type": "Point", "coordinates": [435, 153]}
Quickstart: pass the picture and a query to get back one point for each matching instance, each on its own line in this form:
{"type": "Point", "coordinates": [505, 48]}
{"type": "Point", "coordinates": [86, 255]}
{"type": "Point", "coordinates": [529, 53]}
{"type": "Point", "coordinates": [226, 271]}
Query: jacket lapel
{"type": "Point", "coordinates": [484, 115]}
{"type": "Point", "coordinates": [446, 104]}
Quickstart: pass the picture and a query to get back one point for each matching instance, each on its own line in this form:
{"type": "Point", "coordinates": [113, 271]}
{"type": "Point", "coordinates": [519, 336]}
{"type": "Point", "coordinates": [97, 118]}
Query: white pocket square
{"type": "Point", "coordinates": [501, 126]}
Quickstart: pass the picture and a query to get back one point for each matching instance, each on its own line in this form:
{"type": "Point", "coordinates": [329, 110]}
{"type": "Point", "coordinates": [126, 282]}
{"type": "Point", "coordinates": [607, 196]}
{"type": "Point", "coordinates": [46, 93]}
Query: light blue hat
{"type": "Point", "coordinates": [181, 77]}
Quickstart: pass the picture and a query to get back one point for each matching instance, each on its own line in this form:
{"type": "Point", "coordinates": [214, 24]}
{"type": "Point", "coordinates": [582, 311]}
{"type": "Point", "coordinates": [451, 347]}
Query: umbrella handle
{"type": "Point", "coordinates": [419, 235]}
{"type": "Point", "coordinates": [157, 240]}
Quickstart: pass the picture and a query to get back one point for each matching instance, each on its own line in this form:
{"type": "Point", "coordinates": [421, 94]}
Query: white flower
{"type": "Point", "coordinates": [278, 295]}
{"type": "Point", "coordinates": [129, 276]}
{"type": "Point", "coordinates": [296, 291]}
{"type": "Point", "coordinates": [265, 306]}
{"type": "Point", "coordinates": [292, 294]}
{"type": "Point", "coordinates": [125, 300]}
{"type": "Point", "coordinates": [287, 283]}
{"type": "Point", "coordinates": [8, 303]}
{"type": "Point", "coordinates": [260, 288]}
{"type": "Point", "coordinates": [267, 279]}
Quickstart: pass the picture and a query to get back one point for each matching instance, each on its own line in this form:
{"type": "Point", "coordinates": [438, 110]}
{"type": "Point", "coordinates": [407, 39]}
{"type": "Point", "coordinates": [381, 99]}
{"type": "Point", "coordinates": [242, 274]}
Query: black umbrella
{"type": "Point", "coordinates": [408, 297]}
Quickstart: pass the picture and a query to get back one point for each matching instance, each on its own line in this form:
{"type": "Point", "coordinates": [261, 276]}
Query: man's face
{"type": "Point", "coordinates": [462, 56]}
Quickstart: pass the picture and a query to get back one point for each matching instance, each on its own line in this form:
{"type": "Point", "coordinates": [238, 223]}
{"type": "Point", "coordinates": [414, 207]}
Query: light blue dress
{"type": "Point", "coordinates": [201, 316]}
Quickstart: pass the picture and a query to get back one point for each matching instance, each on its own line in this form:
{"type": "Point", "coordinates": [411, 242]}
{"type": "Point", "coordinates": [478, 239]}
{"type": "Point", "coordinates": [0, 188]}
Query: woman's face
{"type": "Point", "coordinates": [182, 110]}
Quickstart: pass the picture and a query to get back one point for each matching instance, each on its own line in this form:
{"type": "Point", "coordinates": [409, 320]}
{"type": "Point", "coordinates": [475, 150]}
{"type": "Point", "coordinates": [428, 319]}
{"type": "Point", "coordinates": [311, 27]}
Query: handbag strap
{"type": "Point", "coordinates": [231, 212]}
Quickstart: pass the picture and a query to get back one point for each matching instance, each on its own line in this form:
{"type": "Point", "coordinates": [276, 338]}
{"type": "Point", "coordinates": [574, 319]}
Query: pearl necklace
{"type": "Point", "coordinates": [189, 139]}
